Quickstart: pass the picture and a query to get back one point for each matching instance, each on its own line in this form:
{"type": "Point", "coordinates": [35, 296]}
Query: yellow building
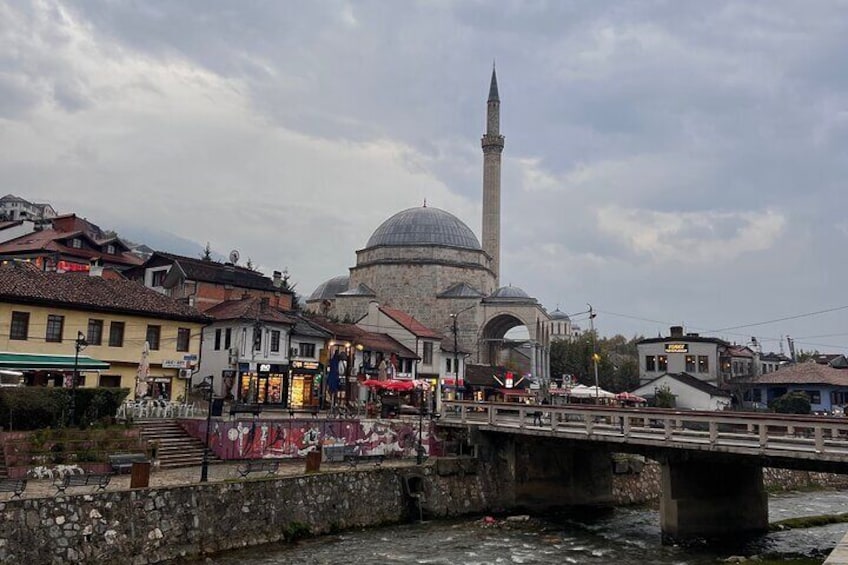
{"type": "Point", "coordinates": [53, 325]}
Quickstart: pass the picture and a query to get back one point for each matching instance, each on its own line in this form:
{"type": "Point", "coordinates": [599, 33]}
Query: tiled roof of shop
{"type": "Point", "coordinates": [250, 309]}
{"type": "Point", "coordinates": [808, 372]}
{"type": "Point", "coordinates": [25, 284]}
{"type": "Point", "coordinates": [409, 323]}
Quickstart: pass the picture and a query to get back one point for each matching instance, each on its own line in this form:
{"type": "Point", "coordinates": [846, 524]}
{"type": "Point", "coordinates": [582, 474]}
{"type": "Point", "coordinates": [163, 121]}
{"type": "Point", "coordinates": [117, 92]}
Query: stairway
{"type": "Point", "coordinates": [4, 472]}
{"type": "Point", "coordinates": [176, 447]}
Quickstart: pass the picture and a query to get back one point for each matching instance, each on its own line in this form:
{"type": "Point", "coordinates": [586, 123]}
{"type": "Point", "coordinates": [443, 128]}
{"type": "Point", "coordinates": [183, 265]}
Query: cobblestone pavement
{"type": "Point", "coordinates": [218, 472]}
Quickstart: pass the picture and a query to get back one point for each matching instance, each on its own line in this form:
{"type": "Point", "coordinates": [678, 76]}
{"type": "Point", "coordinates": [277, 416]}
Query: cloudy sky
{"type": "Point", "coordinates": [667, 162]}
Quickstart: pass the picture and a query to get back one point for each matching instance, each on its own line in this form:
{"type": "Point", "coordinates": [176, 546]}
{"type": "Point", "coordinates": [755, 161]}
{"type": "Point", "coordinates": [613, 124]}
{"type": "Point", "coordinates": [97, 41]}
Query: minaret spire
{"type": "Point", "coordinates": [493, 144]}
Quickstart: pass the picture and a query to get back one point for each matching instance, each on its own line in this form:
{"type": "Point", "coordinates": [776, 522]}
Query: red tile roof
{"type": "Point", "coordinates": [249, 309]}
{"type": "Point", "coordinates": [23, 283]}
{"type": "Point", "coordinates": [382, 343]}
{"type": "Point", "coordinates": [409, 323]}
{"type": "Point", "coordinates": [809, 372]}
{"type": "Point", "coordinates": [52, 241]}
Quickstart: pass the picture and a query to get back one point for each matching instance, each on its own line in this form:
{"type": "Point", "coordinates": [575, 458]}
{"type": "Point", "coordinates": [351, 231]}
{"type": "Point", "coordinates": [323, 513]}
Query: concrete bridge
{"type": "Point", "coordinates": [712, 480]}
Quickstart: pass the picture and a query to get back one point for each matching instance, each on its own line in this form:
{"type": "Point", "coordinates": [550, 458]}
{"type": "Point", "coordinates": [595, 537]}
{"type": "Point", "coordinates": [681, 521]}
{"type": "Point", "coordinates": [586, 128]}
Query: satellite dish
{"type": "Point", "coordinates": [234, 256]}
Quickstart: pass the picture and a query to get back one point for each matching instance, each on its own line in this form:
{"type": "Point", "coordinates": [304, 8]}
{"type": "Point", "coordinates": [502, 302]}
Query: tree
{"type": "Point", "coordinates": [618, 367]}
{"type": "Point", "coordinates": [803, 356]}
{"type": "Point", "coordinates": [207, 253]}
{"type": "Point", "coordinates": [664, 398]}
{"type": "Point", "coordinates": [792, 403]}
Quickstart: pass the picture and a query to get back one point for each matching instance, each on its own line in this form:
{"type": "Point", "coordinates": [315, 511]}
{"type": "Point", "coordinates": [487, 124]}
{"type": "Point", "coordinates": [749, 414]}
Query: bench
{"type": "Point", "coordinates": [15, 486]}
{"type": "Point", "coordinates": [354, 459]}
{"type": "Point", "coordinates": [335, 453]}
{"type": "Point", "coordinates": [267, 466]}
{"type": "Point", "coordinates": [254, 409]}
{"type": "Point", "coordinates": [100, 480]}
{"type": "Point", "coordinates": [123, 462]}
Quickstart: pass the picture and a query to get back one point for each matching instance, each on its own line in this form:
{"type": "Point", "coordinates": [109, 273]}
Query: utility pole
{"type": "Point", "coordinates": [594, 352]}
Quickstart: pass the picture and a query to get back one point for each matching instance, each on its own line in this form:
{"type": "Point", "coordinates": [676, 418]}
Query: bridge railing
{"type": "Point", "coordinates": [817, 434]}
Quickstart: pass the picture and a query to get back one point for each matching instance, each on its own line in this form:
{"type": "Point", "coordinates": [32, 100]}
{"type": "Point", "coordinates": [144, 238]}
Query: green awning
{"type": "Point", "coordinates": [37, 362]}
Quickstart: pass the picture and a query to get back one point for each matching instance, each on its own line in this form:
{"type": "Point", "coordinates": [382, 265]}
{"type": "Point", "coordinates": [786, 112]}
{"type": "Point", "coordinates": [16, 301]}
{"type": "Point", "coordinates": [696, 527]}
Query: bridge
{"type": "Point", "coordinates": [711, 461]}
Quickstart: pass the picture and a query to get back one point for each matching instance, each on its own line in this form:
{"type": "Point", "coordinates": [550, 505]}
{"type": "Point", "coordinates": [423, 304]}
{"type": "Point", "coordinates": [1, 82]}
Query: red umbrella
{"type": "Point", "coordinates": [371, 382]}
{"type": "Point", "coordinates": [629, 397]}
{"type": "Point", "coordinates": [398, 385]}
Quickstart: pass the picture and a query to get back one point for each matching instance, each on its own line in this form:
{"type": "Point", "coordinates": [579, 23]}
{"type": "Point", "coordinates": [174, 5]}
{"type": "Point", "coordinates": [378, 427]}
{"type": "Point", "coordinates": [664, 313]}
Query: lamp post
{"type": "Point", "coordinates": [204, 466]}
{"type": "Point", "coordinates": [79, 344]}
{"type": "Point", "coordinates": [594, 353]}
{"type": "Point", "coordinates": [455, 330]}
{"type": "Point", "coordinates": [420, 457]}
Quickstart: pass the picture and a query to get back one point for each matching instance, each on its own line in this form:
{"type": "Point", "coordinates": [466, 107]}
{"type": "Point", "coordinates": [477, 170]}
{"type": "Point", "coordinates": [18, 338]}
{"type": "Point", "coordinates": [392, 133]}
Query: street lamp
{"type": "Point", "coordinates": [455, 330]}
{"type": "Point", "coordinates": [595, 355]}
{"type": "Point", "coordinates": [80, 343]}
{"type": "Point", "coordinates": [204, 466]}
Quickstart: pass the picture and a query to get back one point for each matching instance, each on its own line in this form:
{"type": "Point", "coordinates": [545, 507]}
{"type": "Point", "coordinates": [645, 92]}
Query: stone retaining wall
{"type": "Point", "coordinates": [145, 526]}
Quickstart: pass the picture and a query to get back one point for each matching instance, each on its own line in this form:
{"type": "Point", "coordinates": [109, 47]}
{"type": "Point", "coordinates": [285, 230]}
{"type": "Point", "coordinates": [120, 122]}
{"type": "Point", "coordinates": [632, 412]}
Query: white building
{"type": "Point", "coordinates": [689, 392]}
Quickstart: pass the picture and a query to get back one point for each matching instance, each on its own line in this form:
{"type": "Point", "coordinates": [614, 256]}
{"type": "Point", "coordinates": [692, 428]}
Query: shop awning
{"type": "Point", "coordinates": [38, 362]}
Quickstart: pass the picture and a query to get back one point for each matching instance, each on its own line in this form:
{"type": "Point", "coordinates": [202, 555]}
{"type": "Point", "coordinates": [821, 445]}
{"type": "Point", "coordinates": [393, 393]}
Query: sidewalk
{"type": "Point", "coordinates": [218, 472]}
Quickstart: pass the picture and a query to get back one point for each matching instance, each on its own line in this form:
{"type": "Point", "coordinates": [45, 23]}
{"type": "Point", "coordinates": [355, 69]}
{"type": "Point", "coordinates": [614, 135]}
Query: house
{"type": "Point", "coordinates": [495, 384]}
{"type": "Point", "coordinates": [70, 244]}
{"type": "Point", "coordinates": [825, 386]}
{"type": "Point", "coordinates": [709, 359]}
{"type": "Point", "coordinates": [769, 362]}
{"type": "Point", "coordinates": [690, 392]}
{"type": "Point", "coordinates": [205, 283]}
{"type": "Point", "coordinates": [246, 349]}
{"type": "Point", "coordinates": [835, 360]}
{"type": "Point", "coordinates": [14, 208]}
{"type": "Point", "coordinates": [48, 318]}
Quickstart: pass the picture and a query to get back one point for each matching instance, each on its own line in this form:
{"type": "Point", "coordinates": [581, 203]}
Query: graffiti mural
{"type": "Point", "coordinates": [294, 438]}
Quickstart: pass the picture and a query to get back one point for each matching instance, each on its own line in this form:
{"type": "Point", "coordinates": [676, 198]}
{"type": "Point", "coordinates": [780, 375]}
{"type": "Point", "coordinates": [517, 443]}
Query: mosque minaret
{"type": "Point", "coordinates": [493, 145]}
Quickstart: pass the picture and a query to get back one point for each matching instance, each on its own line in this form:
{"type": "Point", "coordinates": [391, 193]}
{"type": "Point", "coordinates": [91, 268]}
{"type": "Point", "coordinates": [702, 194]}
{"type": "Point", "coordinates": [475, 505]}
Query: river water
{"type": "Point", "coordinates": [622, 536]}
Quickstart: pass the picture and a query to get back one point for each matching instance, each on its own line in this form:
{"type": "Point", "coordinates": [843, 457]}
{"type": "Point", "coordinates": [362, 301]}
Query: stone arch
{"type": "Point", "coordinates": [493, 330]}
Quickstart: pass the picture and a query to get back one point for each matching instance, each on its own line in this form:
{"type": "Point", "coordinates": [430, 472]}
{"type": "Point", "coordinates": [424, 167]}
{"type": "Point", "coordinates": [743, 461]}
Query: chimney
{"type": "Point", "coordinates": [676, 331]}
{"type": "Point", "coordinates": [278, 279]}
{"type": "Point", "coordinates": [95, 270]}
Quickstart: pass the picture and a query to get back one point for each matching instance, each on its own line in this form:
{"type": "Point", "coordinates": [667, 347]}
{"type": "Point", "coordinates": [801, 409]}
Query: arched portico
{"type": "Point", "coordinates": [499, 319]}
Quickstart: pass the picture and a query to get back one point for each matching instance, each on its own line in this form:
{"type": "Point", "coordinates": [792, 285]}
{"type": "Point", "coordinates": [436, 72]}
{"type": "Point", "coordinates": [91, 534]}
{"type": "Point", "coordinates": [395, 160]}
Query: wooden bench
{"type": "Point", "coordinates": [254, 409]}
{"type": "Point", "coordinates": [15, 486]}
{"type": "Point", "coordinates": [267, 466]}
{"type": "Point", "coordinates": [354, 459]}
{"type": "Point", "coordinates": [123, 462]}
{"type": "Point", "coordinates": [100, 480]}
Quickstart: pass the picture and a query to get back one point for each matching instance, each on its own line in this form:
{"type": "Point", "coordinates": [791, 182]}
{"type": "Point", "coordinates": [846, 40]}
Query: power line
{"type": "Point", "coordinates": [784, 319]}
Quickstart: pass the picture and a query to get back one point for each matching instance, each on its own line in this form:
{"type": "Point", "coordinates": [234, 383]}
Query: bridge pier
{"type": "Point", "coordinates": [708, 498]}
{"type": "Point", "coordinates": [542, 473]}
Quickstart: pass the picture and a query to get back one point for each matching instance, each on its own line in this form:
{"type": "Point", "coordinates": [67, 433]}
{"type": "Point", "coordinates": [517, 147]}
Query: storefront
{"type": "Point", "coordinates": [305, 384]}
{"type": "Point", "coordinates": [264, 385]}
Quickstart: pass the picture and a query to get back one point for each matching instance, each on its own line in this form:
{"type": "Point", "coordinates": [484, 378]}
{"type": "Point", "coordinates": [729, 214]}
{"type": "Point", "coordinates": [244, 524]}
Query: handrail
{"type": "Point", "coordinates": [771, 434]}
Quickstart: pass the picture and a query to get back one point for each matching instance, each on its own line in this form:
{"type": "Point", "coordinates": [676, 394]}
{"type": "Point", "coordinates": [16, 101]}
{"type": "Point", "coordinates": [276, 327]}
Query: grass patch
{"type": "Point", "coordinates": [808, 522]}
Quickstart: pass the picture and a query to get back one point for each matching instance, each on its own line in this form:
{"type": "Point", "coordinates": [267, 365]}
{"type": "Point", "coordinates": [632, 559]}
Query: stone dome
{"type": "Point", "coordinates": [559, 315]}
{"type": "Point", "coordinates": [510, 292]}
{"type": "Point", "coordinates": [328, 290]}
{"type": "Point", "coordinates": [424, 226]}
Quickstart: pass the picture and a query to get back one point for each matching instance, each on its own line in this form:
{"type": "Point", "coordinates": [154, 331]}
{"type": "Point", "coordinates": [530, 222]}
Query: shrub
{"type": "Point", "coordinates": [791, 403]}
{"type": "Point", "coordinates": [33, 408]}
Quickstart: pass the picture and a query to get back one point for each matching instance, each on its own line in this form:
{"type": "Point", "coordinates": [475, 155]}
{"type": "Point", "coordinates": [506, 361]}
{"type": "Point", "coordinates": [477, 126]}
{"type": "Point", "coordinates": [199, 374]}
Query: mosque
{"type": "Point", "coordinates": [430, 264]}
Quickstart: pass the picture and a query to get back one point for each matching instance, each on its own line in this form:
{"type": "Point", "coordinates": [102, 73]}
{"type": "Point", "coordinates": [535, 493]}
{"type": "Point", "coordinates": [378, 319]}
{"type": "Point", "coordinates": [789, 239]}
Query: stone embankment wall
{"type": "Point", "coordinates": [642, 484]}
{"type": "Point", "coordinates": [145, 526]}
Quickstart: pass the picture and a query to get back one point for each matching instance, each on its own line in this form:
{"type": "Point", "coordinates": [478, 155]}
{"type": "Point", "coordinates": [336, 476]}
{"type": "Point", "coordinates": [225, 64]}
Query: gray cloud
{"type": "Point", "coordinates": [651, 147]}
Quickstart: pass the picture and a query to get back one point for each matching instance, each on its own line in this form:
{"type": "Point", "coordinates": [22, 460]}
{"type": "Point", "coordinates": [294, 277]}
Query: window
{"type": "Point", "coordinates": [650, 363]}
{"type": "Point", "coordinates": [95, 332]}
{"type": "Point", "coordinates": [662, 362]}
{"type": "Point", "coordinates": [76, 243]}
{"type": "Point", "coordinates": [257, 338]}
{"type": "Point", "coordinates": [448, 365]}
{"type": "Point", "coordinates": [703, 364]}
{"type": "Point", "coordinates": [153, 334]}
{"type": "Point", "coordinates": [116, 334]}
{"type": "Point", "coordinates": [428, 353]}
{"type": "Point", "coordinates": [111, 381]}
{"type": "Point", "coordinates": [218, 339]}
{"type": "Point", "coordinates": [55, 325]}
{"type": "Point", "coordinates": [690, 363]}
{"type": "Point", "coordinates": [110, 249]}
{"type": "Point", "coordinates": [20, 325]}
{"type": "Point", "coordinates": [228, 334]}
{"type": "Point", "coordinates": [307, 350]}
{"type": "Point", "coordinates": [158, 278]}
{"type": "Point", "coordinates": [814, 396]}
{"type": "Point", "coordinates": [275, 341]}
{"type": "Point", "coordinates": [183, 337]}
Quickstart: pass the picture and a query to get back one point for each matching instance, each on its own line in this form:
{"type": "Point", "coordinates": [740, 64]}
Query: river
{"type": "Point", "coordinates": [622, 536]}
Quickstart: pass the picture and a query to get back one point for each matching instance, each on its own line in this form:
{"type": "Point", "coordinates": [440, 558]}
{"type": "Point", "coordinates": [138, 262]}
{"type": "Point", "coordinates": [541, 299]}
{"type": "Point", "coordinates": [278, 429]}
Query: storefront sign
{"type": "Point", "coordinates": [312, 365]}
{"type": "Point", "coordinates": [677, 348]}
{"type": "Point", "coordinates": [264, 367]}
{"type": "Point", "coordinates": [173, 364]}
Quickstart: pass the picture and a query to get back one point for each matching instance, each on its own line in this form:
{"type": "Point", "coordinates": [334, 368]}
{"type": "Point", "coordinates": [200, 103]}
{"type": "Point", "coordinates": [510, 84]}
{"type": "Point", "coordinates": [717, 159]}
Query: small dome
{"type": "Point", "coordinates": [510, 292]}
{"type": "Point", "coordinates": [559, 315]}
{"type": "Point", "coordinates": [328, 290]}
{"type": "Point", "coordinates": [424, 226]}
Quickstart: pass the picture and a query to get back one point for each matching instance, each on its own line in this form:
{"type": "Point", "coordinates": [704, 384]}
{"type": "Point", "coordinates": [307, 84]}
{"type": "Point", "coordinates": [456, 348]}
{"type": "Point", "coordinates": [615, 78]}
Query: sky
{"type": "Point", "coordinates": [666, 162]}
